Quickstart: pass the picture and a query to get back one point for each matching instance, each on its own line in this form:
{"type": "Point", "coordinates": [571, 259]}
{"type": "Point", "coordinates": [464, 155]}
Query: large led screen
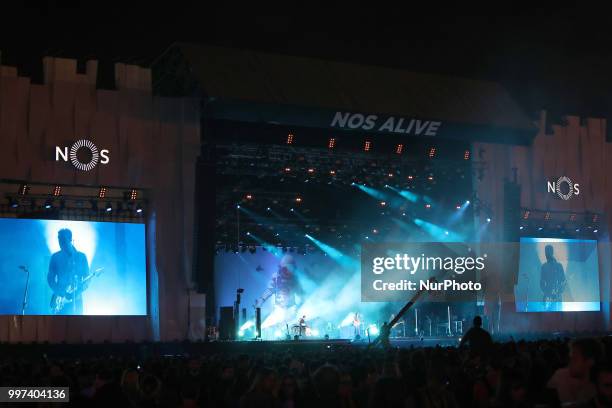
{"type": "Point", "coordinates": [557, 275]}
{"type": "Point", "coordinates": [54, 267]}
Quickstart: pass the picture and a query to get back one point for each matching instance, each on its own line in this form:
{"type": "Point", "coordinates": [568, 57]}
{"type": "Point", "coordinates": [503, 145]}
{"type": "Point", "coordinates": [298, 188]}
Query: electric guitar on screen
{"type": "Point", "coordinates": [59, 302]}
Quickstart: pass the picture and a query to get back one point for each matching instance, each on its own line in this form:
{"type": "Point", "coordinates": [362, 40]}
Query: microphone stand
{"type": "Point", "coordinates": [25, 292]}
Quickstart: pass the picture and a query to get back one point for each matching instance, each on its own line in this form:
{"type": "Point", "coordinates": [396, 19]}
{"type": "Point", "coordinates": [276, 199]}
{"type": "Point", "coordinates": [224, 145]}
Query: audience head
{"type": "Point", "coordinates": [584, 354]}
{"type": "Point", "coordinates": [601, 376]}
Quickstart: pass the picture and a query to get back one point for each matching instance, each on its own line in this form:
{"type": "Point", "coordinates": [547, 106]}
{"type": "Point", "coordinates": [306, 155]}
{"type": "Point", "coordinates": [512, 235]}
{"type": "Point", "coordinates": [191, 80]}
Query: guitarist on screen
{"type": "Point", "coordinates": [552, 277]}
{"type": "Point", "coordinates": [67, 277]}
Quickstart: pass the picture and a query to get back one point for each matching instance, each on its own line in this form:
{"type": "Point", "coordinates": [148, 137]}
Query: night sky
{"type": "Point", "coordinates": [558, 58]}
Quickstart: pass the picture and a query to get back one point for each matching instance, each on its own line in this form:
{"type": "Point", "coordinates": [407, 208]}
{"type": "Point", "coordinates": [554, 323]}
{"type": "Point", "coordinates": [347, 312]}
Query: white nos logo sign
{"type": "Point", "coordinates": [563, 187]}
{"type": "Point", "coordinates": [83, 154]}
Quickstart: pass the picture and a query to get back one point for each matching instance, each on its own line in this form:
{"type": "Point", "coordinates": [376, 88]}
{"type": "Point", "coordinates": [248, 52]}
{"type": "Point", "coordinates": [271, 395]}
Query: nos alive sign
{"type": "Point", "coordinates": [388, 124]}
{"type": "Point", "coordinates": [372, 122]}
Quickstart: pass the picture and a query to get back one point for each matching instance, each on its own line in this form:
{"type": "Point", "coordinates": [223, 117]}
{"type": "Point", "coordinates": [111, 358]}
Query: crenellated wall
{"type": "Point", "coordinates": [577, 150]}
{"type": "Point", "coordinates": [153, 144]}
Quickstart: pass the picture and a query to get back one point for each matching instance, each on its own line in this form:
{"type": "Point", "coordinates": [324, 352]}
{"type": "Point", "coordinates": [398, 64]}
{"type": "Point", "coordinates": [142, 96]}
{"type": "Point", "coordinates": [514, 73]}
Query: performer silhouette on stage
{"type": "Point", "coordinates": [552, 277]}
{"type": "Point", "coordinates": [67, 269]}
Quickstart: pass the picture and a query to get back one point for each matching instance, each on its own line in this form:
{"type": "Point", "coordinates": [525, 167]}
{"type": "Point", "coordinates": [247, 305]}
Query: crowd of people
{"type": "Point", "coordinates": [478, 373]}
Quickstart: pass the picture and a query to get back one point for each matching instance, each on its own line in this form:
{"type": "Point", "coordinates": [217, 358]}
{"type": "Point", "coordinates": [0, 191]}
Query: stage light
{"type": "Point", "coordinates": [278, 334]}
{"type": "Point", "coordinates": [332, 172]}
{"type": "Point", "coordinates": [298, 199]}
{"type": "Point", "coordinates": [445, 232]}
{"type": "Point", "coordinates": [332, 143]}
{"type": "Point", "coordinates": [467, 202]}
{"type": "Point", "coordinates": [287, 169]}
{"type": "Point", "coordinates": [353, 183]}
{"type": "Point", "coordinates": [248, 233]}
{"type": "Point", "coordinates": [367, 145]}
{"type": "Point", "coordinates": [133, 194]}
{"type": "Point", "coordinates": [403, 214]}
{"type": "Point", "coordinates": [577, 229]}
{"type": "Point", "coordinates": [291, 210]}
{"type": "Point", "coordinates": [432, 152]}
{"type": "Point", "coordinates": [383, 203]}
{"type": "Point", "coordinates": [238, 206]}
{"type": "Point", "coordinates": [240, 333]}
{"type": "Point", "coordinates": [595, 231]}
{"type": "Point", "coordinates": [13, 203]}
{"type": "Point", "coordinates": [102, 192]}
{"type": "Point", "coordinates": [57, 191]}
{"type": "Point", "coordinates": [23, 189]}
{"type": "Point", "coordinates": [268, 209]}
{"type": "Point", "coordinates": [540, 228]}
{"type": "Point", "coordinates": [373, 330]}
{"type": "Point", "coordinates": [367, 237]}
{"type": "Point", "coordinates": [399, 148]}
{"type": "Point", "coordinates": [410, 177]}
{"type": "Point", "coordinates": [458, 207]}
{"type": "Point", "coordinates": [290, 138]}
{"type": "Point", "coordinates": [109, 207]}
{"type": "Point", "coordinates": [466, 155]}
{"type": "Point", "coordinates": [249, 197]}
{"type": "Point", "coordinates": [428, 206]}
{"type": "Point", "coordinates": [374, 231]}
{"type": "Point", "coordinates": [430, 178]}
{"type": "Point", "coordinates": [521, 227]}
{"type": "Point", "coordinates": [48, 204]}
{"type": "Point", "coordinates": [311, 170]}
{"type": "Point", "coordinates": [488, 220]}
{"type": "Point", "coordinates": [139, 209]}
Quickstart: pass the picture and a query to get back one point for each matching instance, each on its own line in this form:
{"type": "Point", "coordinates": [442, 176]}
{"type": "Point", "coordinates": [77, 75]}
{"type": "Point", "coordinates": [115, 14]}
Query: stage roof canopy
{"type": "Point", "coordinates": [263, 79]}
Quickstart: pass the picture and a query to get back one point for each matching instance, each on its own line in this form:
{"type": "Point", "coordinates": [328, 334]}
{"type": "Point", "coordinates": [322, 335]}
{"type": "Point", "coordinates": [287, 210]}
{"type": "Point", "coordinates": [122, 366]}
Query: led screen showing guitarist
{"type": "Point", "coordinates": [68, 276]}
{"type": "Point", "coordinates": [552, 277]}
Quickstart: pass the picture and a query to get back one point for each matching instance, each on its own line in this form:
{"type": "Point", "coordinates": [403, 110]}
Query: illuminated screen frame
{"type": "Point", "coordinates": [145, 230]}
